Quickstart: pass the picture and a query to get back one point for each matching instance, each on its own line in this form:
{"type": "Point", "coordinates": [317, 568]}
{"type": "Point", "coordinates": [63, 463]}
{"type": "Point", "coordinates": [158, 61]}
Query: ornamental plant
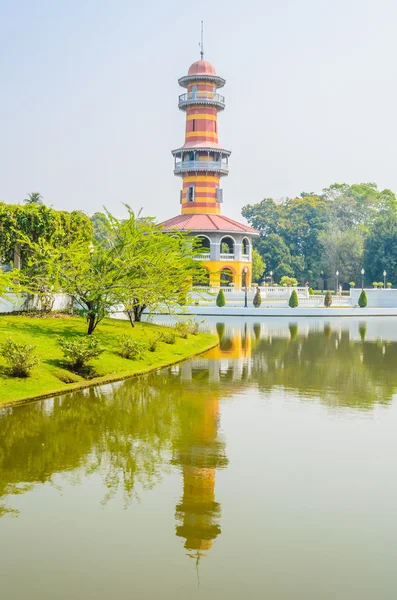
{"type": "Point", "coordinates": [20, 357]}
{"type": "Point", "coordinates": [220, 299]}
{"type": "Point", "coordinates": [130, 348]}
{"type": "Point", "coordinates": [80, 351]}
{"type": "Point", "coordinates": [311, 291]}
{"type": "Point", "coordinates": [389, 284]}
{"type": "Point", "coordinates": [352, 284]}
{"type": "Point", "coordinates": [257, 301]}
{"type": "Point", "coordinates": [293, 300]}
{"type": "Point", "coordinates": [288, 281]}
{"type": "Point", "coordinates": [363, 301]}
{"type": "Point", "coordinates": [328, 299]}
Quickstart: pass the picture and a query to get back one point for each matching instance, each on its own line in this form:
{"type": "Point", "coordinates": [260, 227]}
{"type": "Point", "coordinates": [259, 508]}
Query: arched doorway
{"type": "Point", "coordinates": [227, 277]}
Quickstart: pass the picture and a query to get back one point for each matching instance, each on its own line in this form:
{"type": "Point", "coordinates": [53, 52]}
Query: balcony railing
{"type": "Point", "coordinates": [217, 166]}
{"type": "Point", "coordinates": [245, 257]}
{"type": "Point", "coordinates": [227, 256]}
{"type": "Point", "coordinates": [204, 256]}
{"type": "Point", "coordinates": [201, 98]}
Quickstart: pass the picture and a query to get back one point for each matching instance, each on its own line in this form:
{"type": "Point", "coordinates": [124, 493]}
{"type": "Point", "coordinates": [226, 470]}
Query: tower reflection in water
{"type": "Point", "coordinates": [200, 450]}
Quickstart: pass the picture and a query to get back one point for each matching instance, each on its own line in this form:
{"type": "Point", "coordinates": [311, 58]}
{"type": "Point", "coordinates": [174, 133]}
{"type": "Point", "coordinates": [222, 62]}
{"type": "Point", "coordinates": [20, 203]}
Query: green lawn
{"type": "Point", "coordinates": [51, 375]}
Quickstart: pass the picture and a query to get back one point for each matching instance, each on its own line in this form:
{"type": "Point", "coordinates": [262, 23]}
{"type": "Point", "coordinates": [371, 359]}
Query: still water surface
{"type": "Point", "coordinates": [263, 469]}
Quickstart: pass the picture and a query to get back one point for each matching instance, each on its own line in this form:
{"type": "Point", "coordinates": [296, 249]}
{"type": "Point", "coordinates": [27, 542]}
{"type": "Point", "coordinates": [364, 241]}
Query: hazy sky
{"type": "Point", "coordinates": [88, 102]}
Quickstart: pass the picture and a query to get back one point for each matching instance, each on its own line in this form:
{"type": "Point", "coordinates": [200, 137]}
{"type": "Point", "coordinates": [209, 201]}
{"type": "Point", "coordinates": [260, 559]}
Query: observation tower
{"type": "Point", "coordinates": [202, 163]}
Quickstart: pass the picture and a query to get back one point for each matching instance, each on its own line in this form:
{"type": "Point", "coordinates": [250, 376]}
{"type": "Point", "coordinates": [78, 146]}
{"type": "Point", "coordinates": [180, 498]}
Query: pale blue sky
{"type": "Point", "coordinates": [88, 103]}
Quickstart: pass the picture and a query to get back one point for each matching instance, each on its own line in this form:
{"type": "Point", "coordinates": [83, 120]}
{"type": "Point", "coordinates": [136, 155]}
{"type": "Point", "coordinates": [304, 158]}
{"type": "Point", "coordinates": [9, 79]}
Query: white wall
{"type": "Point", "coordinates": [12, 302]}
{"type": "Point", "coordinates": [376, 297]}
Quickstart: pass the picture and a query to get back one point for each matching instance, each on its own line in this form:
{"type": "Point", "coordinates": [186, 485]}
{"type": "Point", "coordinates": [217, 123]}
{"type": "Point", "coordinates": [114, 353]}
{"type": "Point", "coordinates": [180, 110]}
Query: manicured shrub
{"type": "Point", "coordinates": [257, 301]}
{"type": "Point", "coordinates": [363, 301]}
{"type": "Point", "coordinates": [131, 348]}
{"type": "Point", "coordinates": [220, 299]}
{"type": "Point", "coordinates": [293, 300]}
{"type": "Point", "coordinates": [168, 337]}
{"type": "Point", "coordinates": [328, 299]}
{"type": "Point", "coordinates": [79, 351]}
{"type": "Point", "coordinates": [311, 292]}
{"type": "Point", "coordinates": [20, 357]}
{"type": "Point", "coordinates": [389, 284]}
{"type": "Point", "coordinates": [352, 284]}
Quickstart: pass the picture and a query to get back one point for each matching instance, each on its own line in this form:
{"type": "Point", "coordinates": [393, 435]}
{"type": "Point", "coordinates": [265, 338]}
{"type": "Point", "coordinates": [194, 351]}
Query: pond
{"type": "Point", "coordinates": [265, 468]}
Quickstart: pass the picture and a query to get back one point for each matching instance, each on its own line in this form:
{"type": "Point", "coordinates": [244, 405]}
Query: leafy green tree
{"type": "Point", "coordinates": [101, 227]}
{"type": "Point", "coordinates": [34, 198]}
{"type": "Point", "coordinates": [293, 300]}
{"type": "Point", "coordinates": [288, 281]}
{"type": "Point", "coordinates": [380, 248]}
{"type": "Point", "coordinates": [342, 251]}
{"type": "Point", "coordinates": [258, 266]}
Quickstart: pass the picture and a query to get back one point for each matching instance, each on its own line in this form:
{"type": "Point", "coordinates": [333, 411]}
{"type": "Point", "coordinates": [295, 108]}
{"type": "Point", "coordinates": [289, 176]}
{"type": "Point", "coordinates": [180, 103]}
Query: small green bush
{"type": "Point", "coordinates": [288, 281]}
{"type": "Point", "coordinates": [220, 299]}
{"type": "Point", "coordinates": [363, 301]}
{"type": "Point", "coordinates": [389, 284]}
{"type": "Point", "coordinates": [293, 300]}
{"type": "Point", "coordinates": [311, 291]}
{"type": "Point", "coordinates": [19, 357]}
{"type": "Point", "coordinates": [182, 329]}
{"type": "Point", "coordinates": [328, 299]}
{"type": "Point", "coordinates": [131, 348]}
{"type": "Point", "coordinates": [352, 284]}
{"type": "Point", "coordinates": [168, 337]}
{"type": "Point", "coordinates": [79, 351]}
{"type": "Point", "coordinates": [257, 301]}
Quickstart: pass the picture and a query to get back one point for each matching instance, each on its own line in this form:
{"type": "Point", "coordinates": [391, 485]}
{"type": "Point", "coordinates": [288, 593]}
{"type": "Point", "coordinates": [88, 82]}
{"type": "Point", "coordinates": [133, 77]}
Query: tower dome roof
{"type": "Point", "coordinates": [202, 67]}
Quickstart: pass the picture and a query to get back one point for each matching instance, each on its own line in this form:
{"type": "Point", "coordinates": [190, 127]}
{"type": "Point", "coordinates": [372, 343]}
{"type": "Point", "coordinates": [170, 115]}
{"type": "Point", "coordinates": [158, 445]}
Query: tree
{"type": "Point", "coordinates": [363, 301]}
{"type": "Point", "coordinates": [258, 266]}
{"type": "Point", "coordinates": [141, 266]}
{"type": "Point", "coordinates": [101, 227]}
{"type": "Point", "coordinates": [342, 251]}
{"type": "Point", "coordinates": [220, 299]}
{"type": "Point", "coordinates": [380, 248]}
{"type": "Point", "coordinates": [34, 198]}
{"type": "Point", "coordinates": [288, 281]}
{"type": "Point", "coordinates": [293, 300]}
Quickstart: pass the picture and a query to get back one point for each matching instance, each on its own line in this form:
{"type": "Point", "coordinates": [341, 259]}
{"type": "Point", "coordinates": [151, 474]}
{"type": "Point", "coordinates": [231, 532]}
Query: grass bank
{"type": "Point", "coordinates": [52, 377]}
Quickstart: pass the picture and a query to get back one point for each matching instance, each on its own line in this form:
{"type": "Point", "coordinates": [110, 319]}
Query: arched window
{"type": "Point", "coordinates": [204, 242]}
{"type": "Point", "coordinates": [194, 91]}
{"type": "Point", "coordinates": [246, 246]}
{"type": "Point", "coordinates": [227, 277]}
{"type": "Point", "coordinates": [227, 245]}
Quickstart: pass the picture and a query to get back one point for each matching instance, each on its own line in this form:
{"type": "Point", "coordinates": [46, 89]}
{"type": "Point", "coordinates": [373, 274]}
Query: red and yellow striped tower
{"type": "Point", "coordinates": [202, 162]}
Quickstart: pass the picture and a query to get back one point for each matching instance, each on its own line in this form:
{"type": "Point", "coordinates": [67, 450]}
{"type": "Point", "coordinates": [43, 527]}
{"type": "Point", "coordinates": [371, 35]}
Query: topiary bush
{"type": "Point", "coordinates": [293, 299]}
{"type": "Point", "coordinates": [389, 284]}
{"type": "Point", "coordinates": [257, 301]}
{"type": "Point", "coordinates": [363, 301]}
{"type": "Point", "coordinates": [20, 357]}
{"type": "Point", "coordinates": [131, 348]}
{"type": "Point", "coordinates": [352, 284]}
{"type": "Point", "coordinates": [220, 299]}
{"type": "Point", "coordinates": [311, 291]}
{"type": "Point", "coordinates": [328, 299]}
{"type": "Point", "coordinates": [79, 351]}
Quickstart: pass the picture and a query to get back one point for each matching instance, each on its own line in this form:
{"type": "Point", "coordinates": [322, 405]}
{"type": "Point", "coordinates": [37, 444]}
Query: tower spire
{"type": "Point", "coordinates": [202, 41]}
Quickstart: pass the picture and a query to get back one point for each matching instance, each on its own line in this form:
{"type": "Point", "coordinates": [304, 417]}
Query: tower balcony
{"type": "Point", "coordinates": [201, 98]}
{"type": "Point", "coordinates": [210, 166]}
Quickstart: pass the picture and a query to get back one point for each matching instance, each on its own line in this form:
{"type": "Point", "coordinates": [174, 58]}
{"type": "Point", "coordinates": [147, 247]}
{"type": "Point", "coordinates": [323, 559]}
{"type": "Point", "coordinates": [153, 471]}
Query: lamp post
{"type": "Point", "coordinates": [384, 279]}
{"type": "Point", "coordinates": [362, 278]}
{"type": "Point", "coordinates": [245, 271]}
{"type": "Point", "coordinates": [337, 275]}
{"type": "Point", "coordinates": [271, 278]}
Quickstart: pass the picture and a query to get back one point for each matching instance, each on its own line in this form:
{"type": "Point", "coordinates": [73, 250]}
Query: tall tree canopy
{"type": "Point", "coordinates": [313, 236]}
{"type": "Point", "coordinates": [37, 221]}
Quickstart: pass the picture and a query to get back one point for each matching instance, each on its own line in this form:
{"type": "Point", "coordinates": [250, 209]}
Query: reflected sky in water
{"type": "Point", "coordinates": [262, 468]}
